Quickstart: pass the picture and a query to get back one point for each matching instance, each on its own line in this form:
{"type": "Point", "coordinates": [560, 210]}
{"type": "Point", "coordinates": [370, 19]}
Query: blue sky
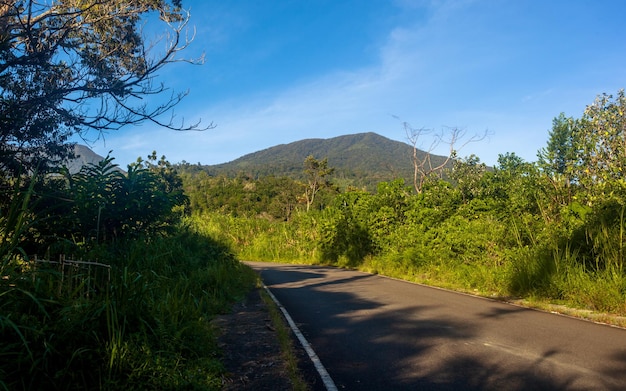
{"type": "Point", "coordinates": [281, 71]}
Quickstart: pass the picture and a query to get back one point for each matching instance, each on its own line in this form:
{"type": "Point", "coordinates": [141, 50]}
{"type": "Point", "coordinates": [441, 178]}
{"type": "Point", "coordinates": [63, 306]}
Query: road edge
{"type": "Point", "coordinates": [321, 370]}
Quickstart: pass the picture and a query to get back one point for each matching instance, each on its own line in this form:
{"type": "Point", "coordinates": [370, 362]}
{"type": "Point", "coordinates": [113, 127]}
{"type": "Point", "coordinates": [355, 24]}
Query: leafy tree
{"type": "Point", "coordinates": [601, 146]}
{"type": "Point", "coordinates": [343, 232]}
{"type": "Point", "coordinates": [468, 173]}
{"type": "Point", "coordinates": [513, 184]}
{"type": "Point", "coordinates": [281, 196]}
{"type": "Point", "coordinates": [558, 157]}
{"type": "Point", "coordinates": [149, 198]}
{"type": "Point", "coordinates": [316, 172]}
{"type": "Point", "coordinates": [71, 66]}
{"type": "Point", "coordinates": [437, 201]}
{"type": "Point", "coordinates": [511, 164]}
{"type": "Point", "coordinates": [387, 211]}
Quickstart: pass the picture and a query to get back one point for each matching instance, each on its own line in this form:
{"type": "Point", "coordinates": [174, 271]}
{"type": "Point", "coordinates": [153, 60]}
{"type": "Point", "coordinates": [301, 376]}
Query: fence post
{"type": "Point", "coordinates": [62, 264]}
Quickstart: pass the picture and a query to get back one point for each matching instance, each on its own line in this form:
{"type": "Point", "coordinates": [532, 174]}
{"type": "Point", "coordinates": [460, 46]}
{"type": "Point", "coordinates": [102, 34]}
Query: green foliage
{"type": "Point", "coordinates": [137, 319]}
{"type": "Point", "coordinates": [467, 175]}
{"type": "Point", "coordinates": [515, 185]}
{"type": "Point", "coordinates": [67, 68]}
{"type": "Point", "coordinates": [559, 156]}
{"type": "Point", "coordinates": [275, 198]}
{"type": "Point", "coordinates": [601, 145]}
{"type": "Point", "coordinates": [599, 239]}
{"type": "Point", "coordinates": [15, 220]}
{"type": "Point", "coordinates": [316, 173]}
{"type": "Point", "coordinates": [552, 230]}
{"type": "Point", "coordinates": [100, 204]}
{"type": "Point", "coordinates": [384, 213]}
{"type": "Point", "coordinates": [532, 272]}
{"type": "Point", "coordinates": [342, 234]}
{"type": "Point", "coordinates": [150, 330]}
{"type": "Point", "coordinates": [260, 239]}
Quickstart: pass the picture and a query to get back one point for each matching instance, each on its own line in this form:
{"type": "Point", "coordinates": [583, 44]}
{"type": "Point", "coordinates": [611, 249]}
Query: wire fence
{"type": "Point", "coordinates": [75, 278]}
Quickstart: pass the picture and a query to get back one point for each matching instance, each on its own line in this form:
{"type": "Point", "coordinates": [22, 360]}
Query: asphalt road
{"type": "Point", "coordinates": [375, 333]}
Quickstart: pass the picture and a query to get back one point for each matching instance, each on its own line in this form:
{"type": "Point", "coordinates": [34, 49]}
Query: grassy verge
{"type": "Point", "coordinates": [530, 275]}
{"type": "Point", "coordinates": [147, 328]}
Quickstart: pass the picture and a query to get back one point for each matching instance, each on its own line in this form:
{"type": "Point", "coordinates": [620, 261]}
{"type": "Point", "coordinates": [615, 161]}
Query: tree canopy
{"type": "Point", "coordinates": [69, 67]}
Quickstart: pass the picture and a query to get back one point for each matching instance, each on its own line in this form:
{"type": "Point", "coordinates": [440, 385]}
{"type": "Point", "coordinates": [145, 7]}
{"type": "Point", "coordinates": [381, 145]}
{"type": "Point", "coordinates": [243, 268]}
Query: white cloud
{"type": "Point", "coordinates": [448, 70]}
{"type": "Point", "coordinates": [404, 83]}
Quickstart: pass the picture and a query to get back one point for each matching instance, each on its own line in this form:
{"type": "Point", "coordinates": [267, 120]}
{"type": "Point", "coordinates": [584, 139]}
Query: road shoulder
{"type": "Point", "coordinates": [251, 349]}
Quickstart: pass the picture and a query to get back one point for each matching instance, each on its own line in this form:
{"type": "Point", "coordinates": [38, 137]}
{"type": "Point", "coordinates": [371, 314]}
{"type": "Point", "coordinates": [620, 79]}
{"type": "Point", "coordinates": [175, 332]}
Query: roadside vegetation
{"type": "Point", "coordinates": [104, 284]}
{"type": "Point", "coordinates": [550, 231]}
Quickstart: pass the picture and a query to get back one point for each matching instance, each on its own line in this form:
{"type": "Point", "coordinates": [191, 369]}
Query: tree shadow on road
{"type": "Point", "coordinates": [369, 345]}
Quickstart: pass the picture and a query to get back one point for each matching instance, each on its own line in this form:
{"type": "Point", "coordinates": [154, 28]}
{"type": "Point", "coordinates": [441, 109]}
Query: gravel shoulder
{"type": "Point", "coordinates": [251, 350]}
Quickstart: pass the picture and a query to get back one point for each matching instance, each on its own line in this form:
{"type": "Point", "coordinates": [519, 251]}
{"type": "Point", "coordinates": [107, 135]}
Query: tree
{"type": "Point", "coordinates": [467, 174]}
{"type": "Point", "coordinates": [73, 66]}
{"type": "Point", "coordinates": [424, 166]}
{"type": "Point", "coordinates": [344, 231]}
{"type": "Point", "coordinates": [559, 159]}
{"type": "Point", "coordinates": [558, 156]}
{"type": "Point", "coordinates": [316, 172]}
{"type": "Point", "coordinates": [515, 185]}
{"type": "Point", "coordinates": [600, 141]}
{"type": "Point", "coordinates": [282, 196]}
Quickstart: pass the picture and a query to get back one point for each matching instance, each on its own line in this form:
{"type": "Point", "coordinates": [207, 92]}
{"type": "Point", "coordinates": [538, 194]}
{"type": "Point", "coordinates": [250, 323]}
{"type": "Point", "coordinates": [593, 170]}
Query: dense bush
{"type": "Point", "coordinates": [136, 319]}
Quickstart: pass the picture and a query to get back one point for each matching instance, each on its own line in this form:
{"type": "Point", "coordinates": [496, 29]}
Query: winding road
{"type": "Point", "coordinates": [376, 333]}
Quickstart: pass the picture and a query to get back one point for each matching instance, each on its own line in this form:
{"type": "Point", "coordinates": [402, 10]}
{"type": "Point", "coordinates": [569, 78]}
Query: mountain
{"type": "Point", "coordinates": [360, 160]}
{"type": "Point", "coordinates": [84, 156]}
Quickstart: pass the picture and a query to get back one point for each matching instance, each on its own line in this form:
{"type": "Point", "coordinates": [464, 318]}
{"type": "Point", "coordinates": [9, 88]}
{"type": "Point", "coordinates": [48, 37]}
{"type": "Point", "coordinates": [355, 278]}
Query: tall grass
{"type": "Point", "coordinates": [263, 240]}
{"type": "Point", "coordinates": [478, 255]}
{"type": "Point", "coordinates": [149, 330]}
{"type": "Point", "coordinates": [14, 221]}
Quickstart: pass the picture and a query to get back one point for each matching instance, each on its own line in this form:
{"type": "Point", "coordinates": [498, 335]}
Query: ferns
{"type": "Point", "coordinates": [146, 324]}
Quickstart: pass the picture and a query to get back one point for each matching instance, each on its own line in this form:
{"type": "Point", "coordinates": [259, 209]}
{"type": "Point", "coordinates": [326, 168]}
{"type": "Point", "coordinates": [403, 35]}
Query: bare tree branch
{"type": "Point", "coordinates": [422, 158]}
{"type": "Point", "coordinates": [73, 66]}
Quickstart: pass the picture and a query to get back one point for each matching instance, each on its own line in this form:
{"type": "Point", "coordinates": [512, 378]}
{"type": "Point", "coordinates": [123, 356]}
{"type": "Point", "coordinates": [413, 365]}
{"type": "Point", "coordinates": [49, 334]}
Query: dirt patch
{"type": "Point", "coordinates": [251, 351]}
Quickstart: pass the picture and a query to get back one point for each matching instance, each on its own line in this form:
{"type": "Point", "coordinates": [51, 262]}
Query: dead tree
{"type": "Point", "coordinates": [423, 164]}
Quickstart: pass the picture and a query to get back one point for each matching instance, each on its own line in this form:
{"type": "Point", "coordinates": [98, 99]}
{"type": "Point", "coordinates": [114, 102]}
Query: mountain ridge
{"type": "Point", "coordinates": [84, 156]}
{"type": "Point", "coordinates": [360, 160]}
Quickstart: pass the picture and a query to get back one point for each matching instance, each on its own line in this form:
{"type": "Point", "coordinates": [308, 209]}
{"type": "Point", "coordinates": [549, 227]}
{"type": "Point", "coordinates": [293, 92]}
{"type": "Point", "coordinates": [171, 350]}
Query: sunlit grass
{"type": "Point", "coordinates": [537, 273]}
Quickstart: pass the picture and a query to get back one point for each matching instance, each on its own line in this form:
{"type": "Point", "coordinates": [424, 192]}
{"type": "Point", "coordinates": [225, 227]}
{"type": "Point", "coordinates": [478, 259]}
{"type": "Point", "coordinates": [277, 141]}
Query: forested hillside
{"type": "Point", "coordinates": [360, 160]}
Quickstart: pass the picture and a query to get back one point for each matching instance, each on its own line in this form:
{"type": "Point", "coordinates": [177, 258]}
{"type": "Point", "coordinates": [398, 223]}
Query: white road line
{"type": "Point", "coordinates": [328, 381]}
